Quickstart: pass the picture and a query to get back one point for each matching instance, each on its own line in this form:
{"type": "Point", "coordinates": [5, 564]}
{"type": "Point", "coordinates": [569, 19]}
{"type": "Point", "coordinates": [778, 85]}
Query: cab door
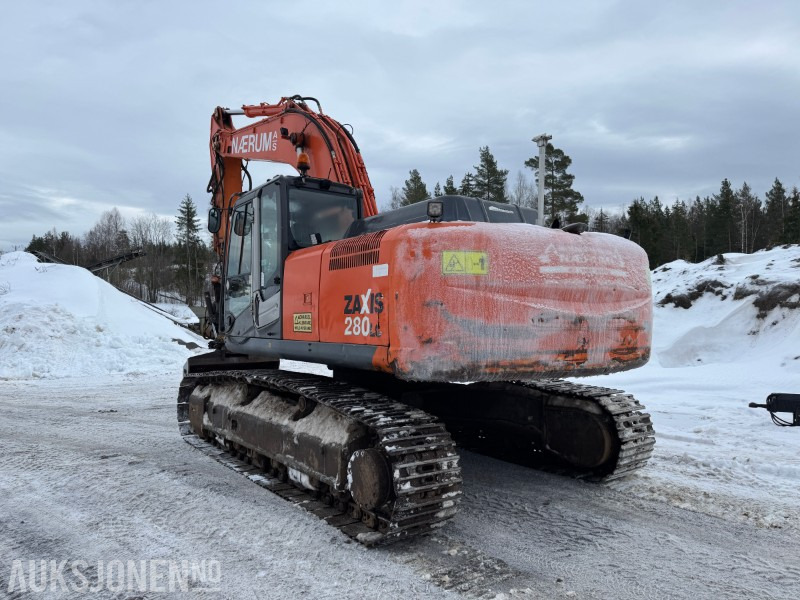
{"type": "Point", "coordinates": [269, 258]}
{"type": "Point", "coordinates": [238, 319]}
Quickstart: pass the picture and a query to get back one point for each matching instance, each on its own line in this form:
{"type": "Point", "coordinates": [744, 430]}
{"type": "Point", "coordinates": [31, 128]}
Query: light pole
{"type": "Point", "coordinates": [541, 141]}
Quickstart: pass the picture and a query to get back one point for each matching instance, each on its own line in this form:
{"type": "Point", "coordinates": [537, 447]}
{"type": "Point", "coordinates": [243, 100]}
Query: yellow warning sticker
{"type": "Point", "coordinates": [465, 262]}
{"type": "Point", "coordinates": [302, 322]}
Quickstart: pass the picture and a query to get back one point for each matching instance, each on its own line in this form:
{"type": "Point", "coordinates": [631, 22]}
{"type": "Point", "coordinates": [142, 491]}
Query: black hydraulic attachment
{"type": "Point", "coordinates": [782, 403]}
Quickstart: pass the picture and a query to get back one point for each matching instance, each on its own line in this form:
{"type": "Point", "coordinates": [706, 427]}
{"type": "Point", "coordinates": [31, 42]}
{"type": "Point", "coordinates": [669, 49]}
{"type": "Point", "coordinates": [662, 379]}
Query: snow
{"type": "Point", "coordinates": [62, 321]}
{"type": "Point", "coordinates": [180, 312]}
{"type": "Point", "coordinates": [713, 453]}
{"type": "Point", "coordinates": [301, 478]}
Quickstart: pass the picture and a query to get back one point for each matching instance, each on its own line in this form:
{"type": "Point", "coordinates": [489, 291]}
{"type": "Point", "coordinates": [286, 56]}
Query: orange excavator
{"type": "Point", "coordinates": [444, 322]}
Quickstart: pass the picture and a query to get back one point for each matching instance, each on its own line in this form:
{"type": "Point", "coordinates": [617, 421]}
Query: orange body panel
{"type": "Point", "coordinates": [348, 304]}
{"type": "Point", "coordinates": [355, 310]}
{"type": "Point", "coordinates": [301, 296]}
{"type": "Point", "coordinates": [517, 301]}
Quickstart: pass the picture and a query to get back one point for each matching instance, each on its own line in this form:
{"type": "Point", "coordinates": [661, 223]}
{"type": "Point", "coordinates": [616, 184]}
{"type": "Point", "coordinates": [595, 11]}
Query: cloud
{"type": "Point", "coordinates": [109, 103]}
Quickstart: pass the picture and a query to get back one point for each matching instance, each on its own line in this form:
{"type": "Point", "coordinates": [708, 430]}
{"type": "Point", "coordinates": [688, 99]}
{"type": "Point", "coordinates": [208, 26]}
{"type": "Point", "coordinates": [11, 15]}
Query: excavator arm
{"type": "Point", "coordinates": [288, 132]}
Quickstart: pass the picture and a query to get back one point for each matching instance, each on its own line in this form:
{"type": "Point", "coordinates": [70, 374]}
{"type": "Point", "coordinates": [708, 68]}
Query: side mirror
{"type": "Point", "coordinates": [214, 220]}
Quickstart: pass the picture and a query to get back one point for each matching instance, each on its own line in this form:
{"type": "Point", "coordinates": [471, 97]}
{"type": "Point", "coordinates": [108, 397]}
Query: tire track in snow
{"type": "Point", "coordinates": [600, 541]}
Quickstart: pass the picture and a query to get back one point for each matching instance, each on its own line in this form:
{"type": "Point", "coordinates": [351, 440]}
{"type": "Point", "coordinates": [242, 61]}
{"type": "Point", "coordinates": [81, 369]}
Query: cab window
{"type": "Point", "coordinates": [270, 252]}
{"type": "Point", "coordinates": [238, 284]}
{"type": "Point", "coordinates": [316, 216]}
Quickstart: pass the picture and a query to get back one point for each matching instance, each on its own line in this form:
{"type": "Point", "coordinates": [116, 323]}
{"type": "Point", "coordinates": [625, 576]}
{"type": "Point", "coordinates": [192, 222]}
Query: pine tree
{"type": "Point", "coordinates": [449, 188]}
{"type": "Point", "coordinates": [648, 222]}
{"type": "Point", "coordinates": [560, 200]}
{"type": "Point", "coordinates": [775, 214]}
{"type": "Point", "coordinates": [698, 223]}
{"type": "Point", "coordinates": [680, 234]}
{"type": "Point", "coordinates": [467, 186]}
{"type": "Point", "coordinates": [723, 224]}
{"type": "Point", "coordinates": [191, 267]}
{"type": "Point", "coordinates": [601, 222]}
{"type": "Point", "coordinates": [793, 217]}
{"type": "Point", "coordinates": [187, 223]}
{"type": "Point", "coordinates": [414, 189]}
{"type": "Point", "coordinates": [637, 219]}
{"type": "Point", "coordinates": [489, 181]}
{"type": "Point", "coordinates": [37, 244]}
{"type": "Point", "coordinates": [437, 190]}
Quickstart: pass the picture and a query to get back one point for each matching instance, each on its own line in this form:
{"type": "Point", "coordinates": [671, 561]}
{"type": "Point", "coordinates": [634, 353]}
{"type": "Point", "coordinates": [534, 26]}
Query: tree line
{"type": "Point", "coordinates": [174, 265]}
{"type": "Point", "coordinates": [733, 220]}
{"type": "Point", "coordinates": [488, 181]}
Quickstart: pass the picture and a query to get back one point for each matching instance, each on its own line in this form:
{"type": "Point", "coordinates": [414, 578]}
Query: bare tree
{"type": "Point", "coordinates": [108, 236]}
{"type": "Point", "coordinates": [523, 192]}
{"type": "Point", "coordinates": [749, 213]}
{"type": "Point", "coordinates": [153, 273]}
{"type": "Point", "coordinates": [397, 197]}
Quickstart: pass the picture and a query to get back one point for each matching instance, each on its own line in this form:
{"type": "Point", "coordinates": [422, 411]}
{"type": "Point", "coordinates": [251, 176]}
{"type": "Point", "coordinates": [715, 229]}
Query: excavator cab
{"type": "Point", "coordinates": [284, 215]}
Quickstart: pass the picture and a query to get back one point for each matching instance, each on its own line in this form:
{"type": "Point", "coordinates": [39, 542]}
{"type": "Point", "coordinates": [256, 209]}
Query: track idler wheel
{"type": "Point", "coordinates": [580, 434]}
{"type": "Point", "coordinates": [369, 478]}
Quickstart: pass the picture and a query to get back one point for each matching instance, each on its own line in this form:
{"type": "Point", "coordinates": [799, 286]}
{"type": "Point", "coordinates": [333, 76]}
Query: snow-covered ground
{"type": "Point", "coordinates": [92, 466]}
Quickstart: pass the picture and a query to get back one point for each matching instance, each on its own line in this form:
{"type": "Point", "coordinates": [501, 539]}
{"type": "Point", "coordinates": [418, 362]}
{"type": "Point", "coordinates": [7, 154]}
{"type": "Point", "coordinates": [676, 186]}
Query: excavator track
{"type": "Point", "coordinates": [635, 437]}
{"type": "Point", "coordinates": [595, 433]}
{"type": "Point", "coordinates": [423, 480]}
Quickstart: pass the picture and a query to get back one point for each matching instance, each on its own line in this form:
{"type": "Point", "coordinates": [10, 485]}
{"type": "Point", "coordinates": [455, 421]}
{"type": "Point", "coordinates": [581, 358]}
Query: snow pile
{"type": "Point", "coordinates": [726, 333]}
{"type": "Point", "coordinates": [179, 312]}
{"type": "Point", "coordinates": [62, 321]}
{"type": "Point", "coordinates": [741, 309]}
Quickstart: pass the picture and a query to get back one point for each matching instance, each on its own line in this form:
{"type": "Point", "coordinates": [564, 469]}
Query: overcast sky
{"type": "Point", "coordinates": [108, 104]}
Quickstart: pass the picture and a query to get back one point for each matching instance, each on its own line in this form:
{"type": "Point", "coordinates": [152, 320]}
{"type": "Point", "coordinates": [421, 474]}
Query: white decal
{"type": "Point", "coordinates": [583, 270]}
{"type": "Point", "coordinates": [365, 301]}
{"type": "Point", "coordinates": [380, 270]}
{"type": "Point", "coordinates": [255, 142]}
{"type": "Point", "coordinates": [357, 326]}
{"type": "Point", "coordinates": [572, 256]}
